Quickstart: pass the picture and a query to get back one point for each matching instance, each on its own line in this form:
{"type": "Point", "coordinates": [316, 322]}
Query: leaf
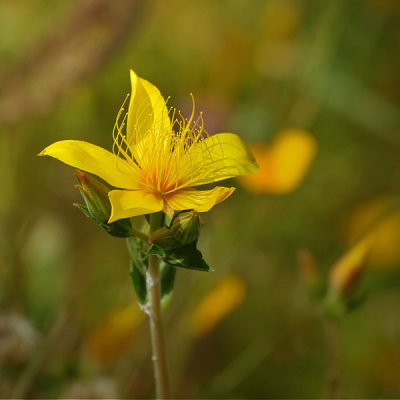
{"type": "Point", "coordinates": [168, 274]}
{"type": "Point", "coordinates": [187, 256]}
{"type": "Point", "coordinates": [138, 269]}
{"type": "Point", "coordinates": [139, 260]}
{"type": "Point", "coordinates": [139, 282]}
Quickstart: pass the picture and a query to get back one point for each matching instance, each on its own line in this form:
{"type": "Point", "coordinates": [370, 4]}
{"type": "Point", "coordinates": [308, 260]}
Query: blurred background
{"type": "Point", "coordinates": [313, 86]}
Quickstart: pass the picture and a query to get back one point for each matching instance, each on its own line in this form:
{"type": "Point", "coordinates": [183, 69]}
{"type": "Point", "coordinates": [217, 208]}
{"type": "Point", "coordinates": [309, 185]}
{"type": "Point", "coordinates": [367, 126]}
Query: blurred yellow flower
{"type": "Point", "coordinates": [378, 219]}
{"type": "Point", "coordinates": [114, 334]}
{"type": "Point", "coordinates": [159, 159]}
{"type": "Point", "coordinates": [217, 304]}
{"type": "Point", "coordinates": [283, 164]}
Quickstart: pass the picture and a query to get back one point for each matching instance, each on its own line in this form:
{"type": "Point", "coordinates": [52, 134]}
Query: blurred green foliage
{"type": "Point", "coordinates": [329, 67]}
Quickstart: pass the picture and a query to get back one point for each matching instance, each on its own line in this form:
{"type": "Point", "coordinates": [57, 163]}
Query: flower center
{"type": "Point", "coordinates": [156, 181]}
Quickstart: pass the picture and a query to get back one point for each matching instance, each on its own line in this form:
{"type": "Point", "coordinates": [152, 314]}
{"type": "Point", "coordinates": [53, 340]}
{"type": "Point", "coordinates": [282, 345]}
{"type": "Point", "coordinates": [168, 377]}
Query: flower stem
{"type": "Point", "coordinates": [333, 345]}
{"type": "Point", "coordinates": [154, 312]}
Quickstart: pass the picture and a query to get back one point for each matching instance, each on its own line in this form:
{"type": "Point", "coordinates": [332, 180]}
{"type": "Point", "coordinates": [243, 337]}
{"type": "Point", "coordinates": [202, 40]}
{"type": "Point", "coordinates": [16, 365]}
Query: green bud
{"type": "Point", "coordinates": [95, 195]}
{"type": "Point", "coordinates": [185, 226]}
{"type": "Point", "coordinates": [98, 207]}
{"type": "Point", "coordinates": [344, 277]}
{"type": "Point", "coordinates": [164, 238]}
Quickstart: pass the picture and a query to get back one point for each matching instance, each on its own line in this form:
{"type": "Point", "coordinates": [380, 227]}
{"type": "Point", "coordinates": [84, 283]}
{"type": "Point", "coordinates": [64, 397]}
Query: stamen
{"type": "Point", "coordinates": [167, 157]}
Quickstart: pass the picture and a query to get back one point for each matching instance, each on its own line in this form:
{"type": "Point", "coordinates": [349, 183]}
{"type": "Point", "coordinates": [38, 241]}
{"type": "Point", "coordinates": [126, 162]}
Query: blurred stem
{"type": "Point", "coordinates": [333, 348]}
{"type": "Point", "coordinates": [34, 366]}
{"type": "Point", "coordinates": [154, 312]}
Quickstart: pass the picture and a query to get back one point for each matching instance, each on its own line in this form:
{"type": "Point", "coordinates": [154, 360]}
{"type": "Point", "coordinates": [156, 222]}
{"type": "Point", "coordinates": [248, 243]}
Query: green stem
{"type": "Point", "coordinates": [154, 312]}
{"type": "Point", "coordinates": [333, 345]}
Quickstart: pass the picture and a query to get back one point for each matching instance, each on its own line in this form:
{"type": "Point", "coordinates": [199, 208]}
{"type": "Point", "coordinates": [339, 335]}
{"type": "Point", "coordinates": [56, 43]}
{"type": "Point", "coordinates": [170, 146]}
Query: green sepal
{"type": "Point", "coordinates": [336, 304]}
{"type": "Point", "coordinates": [138, 269]}
{"type": "Point", "coordinates": [121, 228]}
{"type": "Point", "coordinates": [177, 244]}
{"type": "Point", "coordinates": [187, 256]}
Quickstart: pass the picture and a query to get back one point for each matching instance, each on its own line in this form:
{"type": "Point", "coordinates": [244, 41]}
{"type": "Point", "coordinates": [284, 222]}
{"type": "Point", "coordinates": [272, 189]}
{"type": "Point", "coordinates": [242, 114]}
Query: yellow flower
{"type": "Point", "coordinates": [159, 159]}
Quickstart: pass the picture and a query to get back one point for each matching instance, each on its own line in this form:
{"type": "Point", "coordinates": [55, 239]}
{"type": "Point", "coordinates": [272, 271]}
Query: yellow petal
{"type": "Point", "coordinates": [221, 156]}
{"type": "Point", "coordinates": [199, 200]}
{"type": "Point", "coordinates": [94, 159]}
{"type": "Point", "coordinates": [284, 164]}
{"type": "Point", "coordinates": [147, 110]}
{"type": "Point", "coordinates": [130, 203]}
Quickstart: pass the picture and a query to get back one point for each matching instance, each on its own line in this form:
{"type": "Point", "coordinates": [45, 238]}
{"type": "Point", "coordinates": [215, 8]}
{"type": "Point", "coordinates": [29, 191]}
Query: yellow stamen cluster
{"type": "Point", "coordinates": [166, 158]}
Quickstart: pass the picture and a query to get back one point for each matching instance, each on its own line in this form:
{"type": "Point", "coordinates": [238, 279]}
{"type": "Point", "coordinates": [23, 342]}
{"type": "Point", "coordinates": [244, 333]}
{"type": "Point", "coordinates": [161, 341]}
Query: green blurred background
{"type": "Point", "coordinates": [69, 326]}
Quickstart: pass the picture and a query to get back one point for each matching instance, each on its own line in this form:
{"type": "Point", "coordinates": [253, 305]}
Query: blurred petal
{"type": "Point", "coordinates": [147, 110]}
{"type": "Point", "coordinates": [217, 304]}
{"type": "Point", "coordinates": [385, 250]}
{"type": "Point", "coordinates": [130, 203]}
{"type": "Point", "coordinates": [378, 218]}
{"type": "Point", "coordinates": [113, 336]}
{"type": "Point", "coordinates": [221, 156]}
{"type": "Point", "coordinates": [199, 200]}
{"type": "Point", "coordinates": [284, 164]}
{"type": "Point", "coordinates": [94, 159]}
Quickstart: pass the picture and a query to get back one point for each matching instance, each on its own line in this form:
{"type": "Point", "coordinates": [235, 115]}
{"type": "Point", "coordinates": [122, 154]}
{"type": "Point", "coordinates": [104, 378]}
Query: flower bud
{"type": "Point", "coordinates": [164, 239]}
{"type": "Point", "coordinates": [185, 226]}
{"type": "Point", "coordinates": [95, 195]}
{"type": "Point", "coordinates": [348, 270]}
{"type": "Point", "coordinates": [98, 207]}
{"type": "Point", "coordinates": [344, 277]}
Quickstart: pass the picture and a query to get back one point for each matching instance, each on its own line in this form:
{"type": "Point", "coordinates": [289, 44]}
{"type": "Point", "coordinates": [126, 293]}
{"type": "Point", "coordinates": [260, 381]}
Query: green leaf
{"type": "Point", "coordinates": [187, 256]}
{"type": "Point", "coordinates": [138, 282]}
{"type": "Point", "coordinates": [138, 268]}
{"type": "Point", "coordinates": [139, 261]}
{"type": "Point", "coordinates": [168, 274]}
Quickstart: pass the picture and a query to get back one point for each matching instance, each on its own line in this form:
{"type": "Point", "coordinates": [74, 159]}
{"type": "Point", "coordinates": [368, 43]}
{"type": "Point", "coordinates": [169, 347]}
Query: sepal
{"type": "Point", "coordinates": [183, 256]}
{"type": "Point", "coordinates": [176, 245]}
{"type": "Point", "coordinates": [121, 228]}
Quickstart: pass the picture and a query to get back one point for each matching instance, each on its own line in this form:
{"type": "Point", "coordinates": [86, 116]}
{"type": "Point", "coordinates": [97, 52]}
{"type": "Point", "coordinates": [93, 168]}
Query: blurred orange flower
{"type": "Point", "coordinates": [283, 164]}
